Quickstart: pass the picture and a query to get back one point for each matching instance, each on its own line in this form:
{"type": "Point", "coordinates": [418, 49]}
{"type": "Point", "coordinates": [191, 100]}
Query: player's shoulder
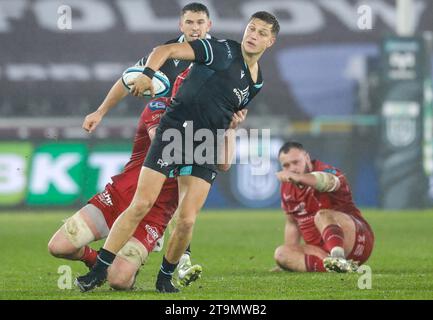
{"type": "Point", "coordinates": [175, 40]}
{"type": "Point", "coordinates": [325, 167]}
{"type": "Point", "coordinates": [224, 42]}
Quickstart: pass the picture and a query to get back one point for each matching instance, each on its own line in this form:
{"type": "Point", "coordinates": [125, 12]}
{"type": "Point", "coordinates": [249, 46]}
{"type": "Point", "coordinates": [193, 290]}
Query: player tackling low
{"type": "Point", "coordinates": [318, 203]}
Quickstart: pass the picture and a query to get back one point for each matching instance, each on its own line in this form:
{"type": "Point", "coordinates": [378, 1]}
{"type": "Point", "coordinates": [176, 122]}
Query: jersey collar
{"type": "Point", "coordinates": [182, 38]}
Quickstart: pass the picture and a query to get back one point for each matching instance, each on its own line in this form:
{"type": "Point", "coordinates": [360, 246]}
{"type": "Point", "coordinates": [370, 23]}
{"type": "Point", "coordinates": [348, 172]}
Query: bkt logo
{"type": "Point", "coordinates": [162, 163]}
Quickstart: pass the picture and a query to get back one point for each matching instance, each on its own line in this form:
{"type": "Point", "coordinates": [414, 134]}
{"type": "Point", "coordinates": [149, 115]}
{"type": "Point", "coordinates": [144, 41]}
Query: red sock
{"type": "Point", "coordinates": [89, 256]}
{"type": "Point", "coordinates": [314, 264]}
{"type": "Point", "coordinates": [333, 236]}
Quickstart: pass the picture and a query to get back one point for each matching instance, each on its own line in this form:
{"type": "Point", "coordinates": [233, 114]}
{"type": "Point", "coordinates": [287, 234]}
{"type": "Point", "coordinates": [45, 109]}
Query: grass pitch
{"type": "Point", "coordinates": [235, 249]}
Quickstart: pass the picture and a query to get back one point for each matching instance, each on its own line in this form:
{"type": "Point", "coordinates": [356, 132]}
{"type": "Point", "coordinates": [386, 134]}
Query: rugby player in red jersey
{"type": "Point", "coordinates": [318, 203]}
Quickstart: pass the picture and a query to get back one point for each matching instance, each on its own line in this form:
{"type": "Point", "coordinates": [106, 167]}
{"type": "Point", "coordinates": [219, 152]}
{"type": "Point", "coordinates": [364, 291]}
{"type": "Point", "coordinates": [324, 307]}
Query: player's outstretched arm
{"type": "Point", "coordinates": [114, 96]}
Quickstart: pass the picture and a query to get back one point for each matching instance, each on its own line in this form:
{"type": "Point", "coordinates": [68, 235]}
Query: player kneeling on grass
{"type": "Point", "coordinates": [319, 207]}
{"type": "Point", "coordinates": [93, 221]}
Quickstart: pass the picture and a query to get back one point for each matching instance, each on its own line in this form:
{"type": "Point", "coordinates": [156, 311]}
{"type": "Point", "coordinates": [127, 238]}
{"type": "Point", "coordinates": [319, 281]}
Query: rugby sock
{"type": "Point", "coordinates": [314, 264]}
{"type": "Point", "coordinates": [333, 236]}
{"type": "Point", "coordinates": [167, 269]}
{"type": "Point", "coordinates": [89, 256]}
{"type": "Point", "coordinates": [104, 260]}
{"type": "Point", "coordinates": [188, 250]}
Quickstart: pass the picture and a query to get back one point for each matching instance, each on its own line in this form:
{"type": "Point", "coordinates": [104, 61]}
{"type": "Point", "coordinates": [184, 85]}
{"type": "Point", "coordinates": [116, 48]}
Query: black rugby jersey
{"type": "Point", "coordinates": [218, 85]}
{"type": "Point", "coordinates": [172, 67]}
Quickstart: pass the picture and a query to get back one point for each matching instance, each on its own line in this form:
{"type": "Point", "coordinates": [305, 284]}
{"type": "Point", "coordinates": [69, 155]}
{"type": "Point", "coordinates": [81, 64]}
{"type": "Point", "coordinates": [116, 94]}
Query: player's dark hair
{"type": "Point", "coordinates": [195, 7]}
{"type": "Point", "coordinates": [289, 146]}
{"type": "Point", "coordinates": [268, 18]}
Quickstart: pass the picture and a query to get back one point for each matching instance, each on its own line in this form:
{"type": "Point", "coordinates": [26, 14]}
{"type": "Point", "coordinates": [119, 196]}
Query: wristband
{"type": "Point", "coordinates": [148, 72]}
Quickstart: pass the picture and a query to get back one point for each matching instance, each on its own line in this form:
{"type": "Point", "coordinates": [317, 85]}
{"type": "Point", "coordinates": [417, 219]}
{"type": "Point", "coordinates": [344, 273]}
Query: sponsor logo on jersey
{"type": "Point", "coordinates": [156, 116]}
{"type": "Point", "coordinates": [162, 163]}
{"type": "Point", "coordinates": [242, 95]}
{"type": "Point", "coordinates": [176, 62]}
{"type": "Point", "coordinates": [359, 250]}
{"type": "Point", "coordinates": [305, 219]}
{"type": "Point", "coordinates": [229, 51]}
{"type": "Point", "coordinates": [152, 233]}
{"type": "Point", "coordinates": [242, 73]}
{"type": "Point", "coordinates": [105, 198]}
{"type": "Point", "coordinates": [300, 209]}
{"type": "Point", "coordinates": [156, 105]}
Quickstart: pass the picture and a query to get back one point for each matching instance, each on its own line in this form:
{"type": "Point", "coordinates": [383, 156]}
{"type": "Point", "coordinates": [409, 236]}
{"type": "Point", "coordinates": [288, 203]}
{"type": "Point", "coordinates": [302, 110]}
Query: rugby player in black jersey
{"type": "Point", "coordinates": [194, 23]}
{"type": "Point", "coordinates": [225, 77]}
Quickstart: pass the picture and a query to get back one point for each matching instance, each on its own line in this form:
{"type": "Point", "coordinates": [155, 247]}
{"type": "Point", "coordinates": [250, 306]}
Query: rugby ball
{"type": "Point", "coordinates": [161, 84]}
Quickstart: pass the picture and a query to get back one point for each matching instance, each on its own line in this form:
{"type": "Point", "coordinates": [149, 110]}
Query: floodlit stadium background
{"type": "Point", "coordinates": [322, 87]}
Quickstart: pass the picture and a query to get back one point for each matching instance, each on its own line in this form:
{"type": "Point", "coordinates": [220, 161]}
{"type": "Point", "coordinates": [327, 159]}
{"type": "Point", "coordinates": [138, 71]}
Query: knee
{"type": "Point", "coordinates": [54, 248]}
{"type": "Point", "coordinates": [282, 253]}
{"type": "Point", "coordinates": [279, 254]}
{"type": "Point", "coordinates": [120, 281]}
{"type": "Point", "coordinates": [59, 247]}
{"type": "Point", "coordinates": [139, 207]}
{"type": "Point", "coordinates": [185, 225]}
{"type": "Point", "coordinates": [322, 216]}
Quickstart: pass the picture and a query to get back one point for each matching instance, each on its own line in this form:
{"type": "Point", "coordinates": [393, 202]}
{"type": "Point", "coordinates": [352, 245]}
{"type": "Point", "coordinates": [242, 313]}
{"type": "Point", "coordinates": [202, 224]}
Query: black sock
{"type": "Point", "coordinates": [188, 250]}
{"type": "Point", "coordinates": [105, 259]}
{"type": "Point", "coordinates": [167, 268]}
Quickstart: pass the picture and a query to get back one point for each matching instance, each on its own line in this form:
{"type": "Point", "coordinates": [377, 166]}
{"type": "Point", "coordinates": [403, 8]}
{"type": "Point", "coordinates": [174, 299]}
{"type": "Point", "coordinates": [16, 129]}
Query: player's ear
{"type": "Point", "coordinates": [307, 157]}
{"type": "Point", "coordinates": [271, 42]}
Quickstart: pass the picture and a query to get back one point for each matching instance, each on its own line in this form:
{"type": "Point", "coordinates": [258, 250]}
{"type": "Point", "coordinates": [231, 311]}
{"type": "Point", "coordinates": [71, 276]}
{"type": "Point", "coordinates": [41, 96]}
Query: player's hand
{"type": "Point", "coordinates": [141, 84]}
{"type": "Point", "coordinates": [91, 121]}
{"type": "Point", "coordinates": [276, 269]}
{"type": "Point", "coordinates": [238, 118]}
{"type": "Point", "coordinates": [286, 176]}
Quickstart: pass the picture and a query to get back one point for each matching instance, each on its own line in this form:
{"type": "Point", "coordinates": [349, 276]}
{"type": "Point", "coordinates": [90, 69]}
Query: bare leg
{"type": "Point", "coordinates": [293, 258]}
{"type": "Point", "coordinates": [149, 186]}
{"type": "Point", "coordinates": [86, 225]}
{"type": "Point", "coordinates": [122, 273]}
{"type": "Point", "coordinates": [192, 195]}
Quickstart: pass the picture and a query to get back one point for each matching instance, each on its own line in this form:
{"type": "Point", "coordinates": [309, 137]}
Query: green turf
{"type": "Point", "coordinates": [235, 249]}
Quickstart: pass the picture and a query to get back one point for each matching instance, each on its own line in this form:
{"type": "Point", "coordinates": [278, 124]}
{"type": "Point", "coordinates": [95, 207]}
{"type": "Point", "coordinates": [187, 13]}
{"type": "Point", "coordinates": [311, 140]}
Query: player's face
{"type": "Point", "coordinates": [295, 161]}
{"type": "Point", "coordinates": [194, 25]}
{"type": "Point", "coordinates": [257, 37]}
